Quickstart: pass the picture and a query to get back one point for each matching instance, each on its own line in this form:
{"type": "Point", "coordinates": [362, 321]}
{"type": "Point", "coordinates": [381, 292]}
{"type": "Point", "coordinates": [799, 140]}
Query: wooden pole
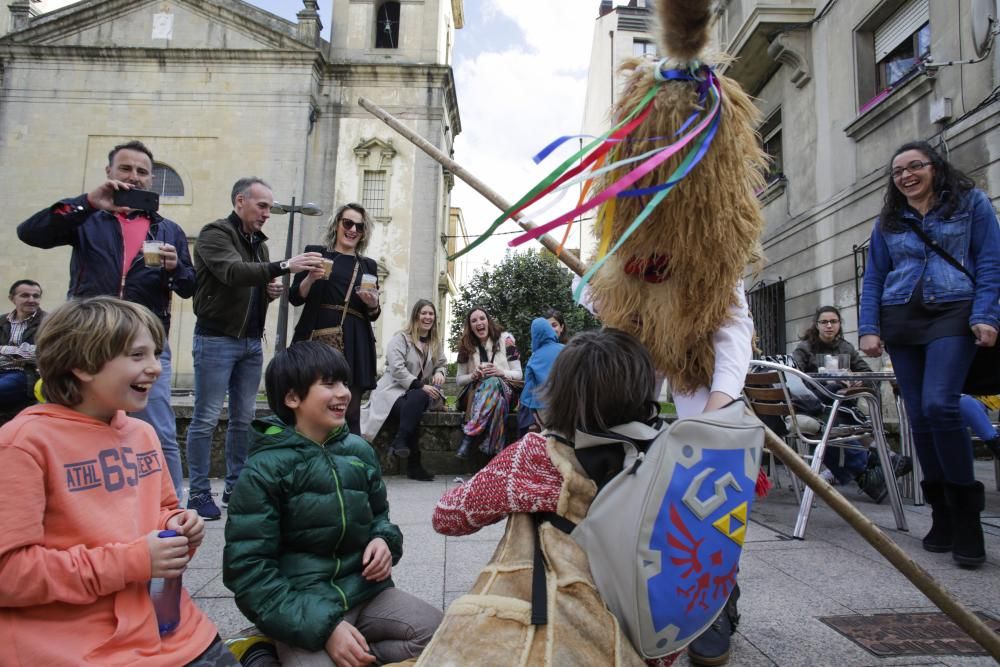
{"type": "Point", "coordinates": [567, 258]}
{"type": "Point", "coordinates": [917, 575]}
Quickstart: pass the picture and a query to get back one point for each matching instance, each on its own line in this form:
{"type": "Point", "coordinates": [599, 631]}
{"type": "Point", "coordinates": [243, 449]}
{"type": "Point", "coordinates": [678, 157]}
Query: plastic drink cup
{"type": "Point", "coordinates": [368, 281]}
{"type": "Point", "coordinates": [837, 363]}
{"type": "Point", "coordinates": [831, 364]}
{"type": "Point", "coordinates": [151, 253]}
{"type": "Point", "coordinates": [166, 597]}
{"type": "Point", "coordinates": [327, 268]}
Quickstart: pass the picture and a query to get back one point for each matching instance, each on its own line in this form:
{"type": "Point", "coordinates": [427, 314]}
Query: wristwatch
{"type": "Point", "coordinates": [285, 265]}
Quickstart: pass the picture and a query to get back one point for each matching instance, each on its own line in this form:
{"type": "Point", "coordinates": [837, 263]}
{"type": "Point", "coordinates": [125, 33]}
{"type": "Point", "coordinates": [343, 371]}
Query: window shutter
{"type": "Point", "coordinates": [900, 26]}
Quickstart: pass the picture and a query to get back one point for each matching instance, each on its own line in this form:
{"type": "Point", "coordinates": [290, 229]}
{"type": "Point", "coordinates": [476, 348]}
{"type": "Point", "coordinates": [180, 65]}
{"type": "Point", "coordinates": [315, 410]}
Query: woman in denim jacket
{"type": "Point", "coordinates": [931, 316]}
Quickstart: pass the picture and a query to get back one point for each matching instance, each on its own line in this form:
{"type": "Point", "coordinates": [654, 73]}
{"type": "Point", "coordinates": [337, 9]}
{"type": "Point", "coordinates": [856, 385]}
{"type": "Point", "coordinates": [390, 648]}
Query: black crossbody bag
{"type": "Point", "coordinates": [984, 374]}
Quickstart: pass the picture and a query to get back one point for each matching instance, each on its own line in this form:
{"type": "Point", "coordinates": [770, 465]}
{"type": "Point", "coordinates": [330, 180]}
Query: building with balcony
{"type": "Point", "coordinates": [841, 84]}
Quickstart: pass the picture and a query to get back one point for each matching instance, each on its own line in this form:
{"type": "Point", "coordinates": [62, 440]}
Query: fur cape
{"type": "Point", "coordinates": [672, 282]}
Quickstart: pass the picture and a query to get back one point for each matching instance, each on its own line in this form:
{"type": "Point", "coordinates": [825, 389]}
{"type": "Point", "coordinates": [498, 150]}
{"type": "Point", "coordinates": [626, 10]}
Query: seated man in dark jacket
{"type": "Point", "coordinates": [18, 369]}
{"type": "Point", "coordinates": [108, 260]}
{"type": "Point", "coordinates": [309, 545]}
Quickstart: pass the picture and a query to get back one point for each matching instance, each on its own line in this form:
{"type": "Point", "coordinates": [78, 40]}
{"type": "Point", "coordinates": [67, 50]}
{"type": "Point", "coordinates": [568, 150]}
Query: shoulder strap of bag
{"type": "Point", "coordinates": [933, 245]}
{"type": "Point", "coordinates": [350, 286]}
{"type": "Point", "coordinates": [539, 585]}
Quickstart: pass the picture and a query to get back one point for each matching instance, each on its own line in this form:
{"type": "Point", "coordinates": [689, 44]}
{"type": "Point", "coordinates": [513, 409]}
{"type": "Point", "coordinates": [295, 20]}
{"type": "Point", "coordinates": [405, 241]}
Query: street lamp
{"type": "Point", "coordinates": [291, 210]}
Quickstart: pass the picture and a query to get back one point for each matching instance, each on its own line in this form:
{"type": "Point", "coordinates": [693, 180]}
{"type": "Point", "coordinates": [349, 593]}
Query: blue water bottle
{"type": "Point", "coordinates": [166, 597]}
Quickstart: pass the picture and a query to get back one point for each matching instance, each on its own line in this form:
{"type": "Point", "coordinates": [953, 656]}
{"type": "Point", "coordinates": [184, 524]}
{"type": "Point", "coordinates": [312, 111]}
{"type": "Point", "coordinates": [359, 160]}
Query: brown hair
{"type": "Point", "coordinates": [600, 379]}
{"type": "Point", "coordinates": [468, 344]}
{"type": "Point", "coordinates": [86, 334]}
{"type": "Point", "coordinates": [334, 227]}
{"type": "Point", "coordinates": [812, 333]}
{"type": "Point", "coordinates": [413, 331]}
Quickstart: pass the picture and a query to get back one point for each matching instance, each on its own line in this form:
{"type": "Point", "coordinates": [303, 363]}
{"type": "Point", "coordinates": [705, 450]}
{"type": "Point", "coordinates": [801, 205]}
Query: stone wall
{"type": "Point", "coordinates": [440, 435]}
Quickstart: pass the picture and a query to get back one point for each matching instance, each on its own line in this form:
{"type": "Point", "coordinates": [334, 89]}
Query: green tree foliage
{"type": "Point", "coordinates": [519, 289]}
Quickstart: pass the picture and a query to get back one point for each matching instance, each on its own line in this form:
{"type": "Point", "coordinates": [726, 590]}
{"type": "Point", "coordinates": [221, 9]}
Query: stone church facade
{"type": "Point", "coordinates": [220, 89]}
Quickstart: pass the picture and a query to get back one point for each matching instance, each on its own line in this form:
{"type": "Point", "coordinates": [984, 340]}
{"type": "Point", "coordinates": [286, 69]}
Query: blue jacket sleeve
{"type": "Point", "coordinates": [984, 247]}
{"type": "Point", "coordinates": [56, 225]}
{"type": "Point", "coordinates": [182, 280]}
{"type": "Point", "coordinates": [877, 267]}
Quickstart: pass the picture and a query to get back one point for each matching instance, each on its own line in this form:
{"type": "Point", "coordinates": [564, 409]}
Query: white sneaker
{"type": "Point", "coordinates": [828, 477]}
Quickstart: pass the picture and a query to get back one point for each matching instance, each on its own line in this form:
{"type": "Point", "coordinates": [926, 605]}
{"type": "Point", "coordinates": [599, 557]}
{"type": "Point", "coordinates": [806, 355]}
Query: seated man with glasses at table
{"type": "Point", "coordinates": [825, 337]}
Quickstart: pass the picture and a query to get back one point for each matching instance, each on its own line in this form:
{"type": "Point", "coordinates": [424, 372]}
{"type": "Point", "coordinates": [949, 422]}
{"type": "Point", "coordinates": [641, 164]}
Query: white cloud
{"type": "Point", "coordinates": [514, 101]}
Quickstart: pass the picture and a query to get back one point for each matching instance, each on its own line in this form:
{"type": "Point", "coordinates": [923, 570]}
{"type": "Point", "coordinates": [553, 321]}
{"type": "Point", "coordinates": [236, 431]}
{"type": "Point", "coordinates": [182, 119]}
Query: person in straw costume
{"type": "Point", "coordinates": [669, 274]}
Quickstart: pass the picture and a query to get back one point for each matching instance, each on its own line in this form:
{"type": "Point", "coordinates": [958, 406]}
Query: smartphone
{"type": "Point", "coordinates": [140, 200]}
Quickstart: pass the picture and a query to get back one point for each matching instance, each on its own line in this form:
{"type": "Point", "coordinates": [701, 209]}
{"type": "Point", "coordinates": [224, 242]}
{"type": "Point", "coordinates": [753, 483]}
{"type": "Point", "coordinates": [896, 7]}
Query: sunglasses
{"type": "Point", "coordinates": [349, 224]}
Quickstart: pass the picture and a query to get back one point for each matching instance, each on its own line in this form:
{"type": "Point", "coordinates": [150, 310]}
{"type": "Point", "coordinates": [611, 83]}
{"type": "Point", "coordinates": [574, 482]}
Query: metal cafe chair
{"type": "Point", "coordinates": [767, 392]}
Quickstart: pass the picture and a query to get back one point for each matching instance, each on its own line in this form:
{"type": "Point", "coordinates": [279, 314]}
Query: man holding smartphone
{"type": "Point", "coordinates": [107, 241]}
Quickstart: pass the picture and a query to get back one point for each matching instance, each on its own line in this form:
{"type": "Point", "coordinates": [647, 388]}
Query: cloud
{"type": "Point", "coordinates": [516, 97]}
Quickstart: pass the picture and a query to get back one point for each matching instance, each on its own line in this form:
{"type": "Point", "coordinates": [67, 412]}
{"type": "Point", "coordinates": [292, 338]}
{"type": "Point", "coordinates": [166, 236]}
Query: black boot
{"type": "Point", "coordinates": [416, 471]}
{"type": "Point", "coordinates": [938, 540]}
{"type": "Point", "coordinates": [465, 449]}
{"type": "Point", "coordinates": [399, 446]}
{"type": "Point", "coordinates": [965, 502]}
{"type": "Point", "coordinates": [711, 648]}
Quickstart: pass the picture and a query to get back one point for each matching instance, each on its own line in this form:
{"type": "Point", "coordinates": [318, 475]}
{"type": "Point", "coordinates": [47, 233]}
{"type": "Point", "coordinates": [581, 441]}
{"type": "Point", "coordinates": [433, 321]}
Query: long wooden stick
{"type": "Point", "coordinates": [567, 258]}
{"type": "Point", "coordinates": [918, 576]}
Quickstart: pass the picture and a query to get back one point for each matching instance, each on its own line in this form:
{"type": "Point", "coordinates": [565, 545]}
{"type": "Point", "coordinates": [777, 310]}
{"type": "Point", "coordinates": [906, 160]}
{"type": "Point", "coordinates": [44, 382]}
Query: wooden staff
{"type": "Point", "coordinates": [567, 258]}
{"type": "Point", "coordinates": [918, 576]}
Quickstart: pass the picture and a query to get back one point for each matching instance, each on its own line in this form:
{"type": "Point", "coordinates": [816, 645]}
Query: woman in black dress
{"type": "Point", "coordinates": [324, 300]}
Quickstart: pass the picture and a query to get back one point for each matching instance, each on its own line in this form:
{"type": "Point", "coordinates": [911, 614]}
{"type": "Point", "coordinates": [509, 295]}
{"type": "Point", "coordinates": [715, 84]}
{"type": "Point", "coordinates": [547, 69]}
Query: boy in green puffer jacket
{"type": "Point", "coordinates": [309, 545]}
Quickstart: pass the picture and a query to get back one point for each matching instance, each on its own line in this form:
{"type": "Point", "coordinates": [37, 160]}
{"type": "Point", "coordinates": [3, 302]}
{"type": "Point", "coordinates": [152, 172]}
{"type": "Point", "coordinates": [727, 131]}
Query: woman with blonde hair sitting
{"type": "Point", "coordinates": [411, 384]}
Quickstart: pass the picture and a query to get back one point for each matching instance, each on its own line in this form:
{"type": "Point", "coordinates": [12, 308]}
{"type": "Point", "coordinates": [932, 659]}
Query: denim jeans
{"type": "Point", "coordinates": [976, 416]}
{"type": "Point", "coordinates": [160, 415]}
{"type": "Point", "coordinates": [845, 464]}
{"type": "Point", "coordinates": [13, 388]}
{"type": "Point", "coordinates": [930, 379]}
{"type": "Point", "coordinates": [222, 363]}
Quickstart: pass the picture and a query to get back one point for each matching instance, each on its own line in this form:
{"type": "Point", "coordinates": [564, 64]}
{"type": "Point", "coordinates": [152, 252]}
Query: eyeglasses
{"type": "Point", "coordinates": [827, 323]}
{"type": "Point", "coordinates": [913, 167]}
{"type": "Point", "coordinates": [348, 224]}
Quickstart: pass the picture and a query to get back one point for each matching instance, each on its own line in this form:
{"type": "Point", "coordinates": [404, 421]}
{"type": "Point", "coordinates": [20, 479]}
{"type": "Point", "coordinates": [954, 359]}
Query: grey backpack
{"type": "Point", "coordinates": [664, 536]}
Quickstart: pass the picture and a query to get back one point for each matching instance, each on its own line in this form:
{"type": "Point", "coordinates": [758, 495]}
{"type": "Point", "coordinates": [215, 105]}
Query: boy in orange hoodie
{"type": "Point", "coordinates": [83, 494]}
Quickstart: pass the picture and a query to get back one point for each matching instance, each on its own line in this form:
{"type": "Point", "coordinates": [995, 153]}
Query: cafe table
{"type": "Point", "coordinates": [910, 484]}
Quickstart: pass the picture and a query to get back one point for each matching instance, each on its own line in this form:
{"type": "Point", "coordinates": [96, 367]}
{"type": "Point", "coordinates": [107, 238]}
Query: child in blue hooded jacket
{"type": "Point", "coordinates": [545, 347]}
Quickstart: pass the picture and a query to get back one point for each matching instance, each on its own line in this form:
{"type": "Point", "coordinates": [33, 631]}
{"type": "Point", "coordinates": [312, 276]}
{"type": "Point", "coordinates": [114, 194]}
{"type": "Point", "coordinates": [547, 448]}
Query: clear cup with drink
{"type": "Point", "coordinates": [369, 284]}
{"type": "Point", "coordinates": [327, 268]}
{"type": "Point", "coordinates": [152, 253]}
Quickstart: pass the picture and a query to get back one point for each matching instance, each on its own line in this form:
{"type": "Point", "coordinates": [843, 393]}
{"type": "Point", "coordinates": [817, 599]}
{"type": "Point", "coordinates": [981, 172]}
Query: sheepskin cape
{"type": "Point", "coordinates": [491, 624]}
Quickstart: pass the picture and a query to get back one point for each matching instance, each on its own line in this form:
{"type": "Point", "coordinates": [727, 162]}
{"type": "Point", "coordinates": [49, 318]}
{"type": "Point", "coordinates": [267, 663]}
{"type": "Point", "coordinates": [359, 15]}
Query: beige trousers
{"type": "Point", "coordinates": [396, 625]}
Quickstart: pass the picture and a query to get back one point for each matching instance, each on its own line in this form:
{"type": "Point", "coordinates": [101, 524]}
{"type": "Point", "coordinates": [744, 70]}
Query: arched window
{"type": "Point", "coordinates": [387, 26]}
{"type": "Point", "coordinates": [166, 181]}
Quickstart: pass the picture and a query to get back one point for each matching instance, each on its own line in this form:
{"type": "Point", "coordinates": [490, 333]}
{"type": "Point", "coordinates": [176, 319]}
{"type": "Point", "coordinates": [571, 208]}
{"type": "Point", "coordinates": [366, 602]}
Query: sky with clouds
{"type": "Point", "coordinates": [521, 76]}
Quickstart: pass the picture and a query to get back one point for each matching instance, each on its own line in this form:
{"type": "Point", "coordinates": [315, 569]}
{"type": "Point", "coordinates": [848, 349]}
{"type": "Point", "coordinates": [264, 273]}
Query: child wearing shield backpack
{"type": "Point", "coordinates": [536, 602]}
